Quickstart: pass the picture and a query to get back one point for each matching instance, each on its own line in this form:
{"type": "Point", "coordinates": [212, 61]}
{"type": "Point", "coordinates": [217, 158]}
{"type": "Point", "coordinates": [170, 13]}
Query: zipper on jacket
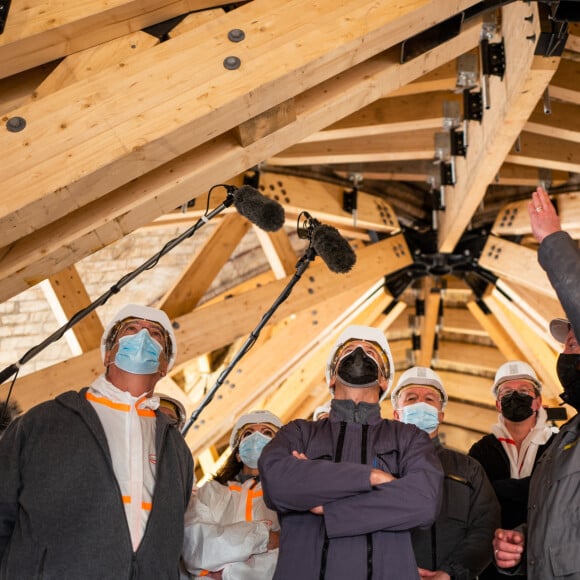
{"type": "Point", "coordinates": [337, 458]}
{"type": "Point", "coordinates": [363, 460]}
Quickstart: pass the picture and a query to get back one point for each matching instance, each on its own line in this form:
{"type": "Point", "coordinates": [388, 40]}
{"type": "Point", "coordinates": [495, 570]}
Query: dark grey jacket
{"type": "Point", "coordinates": [459, 542]}
{"type": "Point", "coordinates": [553, 538]}
{"type": "Point", "coordinates": [61, 511]}
{"type": "Point", "coordinates": [365, 531]}
{"type": "Point", "coordinates": [558, 254]}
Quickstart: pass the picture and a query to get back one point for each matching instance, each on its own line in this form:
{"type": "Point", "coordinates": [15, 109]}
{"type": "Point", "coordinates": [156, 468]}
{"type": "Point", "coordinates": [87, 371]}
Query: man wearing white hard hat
{"type": "Point", "coordinates": [458, 544]}
{"type": "Point", "coordinates": [510, 453]}
{"type": "Point", "coordinates": [95, 483]}
{"type": "Point", "coordinates": [347, 488]}
{"type": "Point", "coordinates": [230, 533]}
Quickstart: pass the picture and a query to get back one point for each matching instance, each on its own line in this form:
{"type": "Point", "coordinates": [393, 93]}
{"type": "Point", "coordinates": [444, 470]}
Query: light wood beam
{"type": "Point", "coordinates": [458, 438]}
{"type": "Point", "coordinates": [511, 174]}
{"type": "Point", "coordinates": [416, 144]}
{"type": "Point", "coordinates": [546, 152]}
{"type": "Point", "coordinates": [72, 297]}
{"type": "Point", "coordinates": [511, 103]}
{"type": "Point", "coordinates": [75, 156]}
{"type": "Point", "coordinates": [565, 84]}
{"type": "Point", "coordinates": [197, 277]}
{"type": "Point", "coordinates": [563, 122]}
{"type": "Point", "coordinates": [279, 251]}
{"type": "Point", "coordinates": [500, 336]}
{"type": "Point", "coordinates": [388, 116]}
{"type": "Point", "coordinates": [45, 31]}
{"type": "Point", "coordinates": [515, 263]}
{"type": "Point", "coordinates": [468, 358]}
{"type": "Point", "coordinates": [428, 325]}
{"type": "Point", "coordinates": [91, 227]}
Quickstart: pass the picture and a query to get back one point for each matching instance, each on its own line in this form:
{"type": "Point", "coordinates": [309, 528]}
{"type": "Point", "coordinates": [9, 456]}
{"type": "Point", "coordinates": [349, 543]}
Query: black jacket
{"type": "Point", "coordinates": [459, 542]}
{"type": "Point", "coordinates": [61, 511]}
{"type": "Point", "coordinates": [511, 493]}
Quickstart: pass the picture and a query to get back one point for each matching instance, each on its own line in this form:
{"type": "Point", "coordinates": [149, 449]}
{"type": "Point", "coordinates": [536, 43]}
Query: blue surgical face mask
{"type": "Point", "coordinates": [251, 448]}
{"type": "Point", "coordinates": [138, 354]}
{"type": "Point", "coordinates": [422, 415]}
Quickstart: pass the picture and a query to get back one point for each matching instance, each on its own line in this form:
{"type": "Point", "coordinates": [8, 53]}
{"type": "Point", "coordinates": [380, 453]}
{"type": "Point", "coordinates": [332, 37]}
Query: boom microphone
{"type": "Point", "coordinates": [266, 213]}
{"type": "Point", "coordinates": [326, 240]}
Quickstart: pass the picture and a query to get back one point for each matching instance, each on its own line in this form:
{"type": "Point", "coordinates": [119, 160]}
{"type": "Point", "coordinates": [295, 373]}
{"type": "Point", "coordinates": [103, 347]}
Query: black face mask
{"type": "Point", "coordinates": [358, 369]}
{"type": "Point", "coordinates": [516, 407]}
{"type": "Point", "coordinates": [568, 369]}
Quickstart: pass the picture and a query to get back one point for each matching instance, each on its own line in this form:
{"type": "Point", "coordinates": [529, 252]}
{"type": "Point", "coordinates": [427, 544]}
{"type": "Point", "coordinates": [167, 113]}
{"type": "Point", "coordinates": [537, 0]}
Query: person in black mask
{"type": "Point", "coordinates": [548, 547]}
{"type": "Point", "coordinates": [350, 488]}
{"type": "Point", "coordinates": [510, 453]}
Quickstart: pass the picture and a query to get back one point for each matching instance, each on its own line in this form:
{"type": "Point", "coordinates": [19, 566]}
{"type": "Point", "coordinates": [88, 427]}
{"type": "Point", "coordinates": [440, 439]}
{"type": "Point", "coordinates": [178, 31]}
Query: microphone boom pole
{"type": "Point", "coordinates": [301, 267]}
{"type": "Point", "coordinates": [150, 263]}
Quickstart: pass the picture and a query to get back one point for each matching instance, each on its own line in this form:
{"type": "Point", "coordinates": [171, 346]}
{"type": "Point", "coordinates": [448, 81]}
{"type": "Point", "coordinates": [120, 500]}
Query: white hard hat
{"type": "Point", "coordinates": [422, 376]}
{"type": "Point", "coordinates": [559, 328]}
{"type": "Point", "coordinates": [369, 334]}
{"type": "Point", "coordinates": [253, 418]}
{"type": "Point", "coordinates": [176, 405]}
{"type": "Point", "coordinates": [145, 313]}
{"type": "Point", "coordinates": [512, 370]}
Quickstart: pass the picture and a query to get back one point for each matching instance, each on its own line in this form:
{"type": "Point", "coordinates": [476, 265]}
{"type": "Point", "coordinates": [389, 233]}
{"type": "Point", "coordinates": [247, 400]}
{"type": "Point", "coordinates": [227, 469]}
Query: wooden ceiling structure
{"type": "Point", "coordinates": [118, 116]}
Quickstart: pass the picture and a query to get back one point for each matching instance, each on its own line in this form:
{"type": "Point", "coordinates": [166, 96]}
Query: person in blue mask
{"type": "Point", "coordinates": [458, 544]}
{"type": "Point", "coordinates": [230, 533]}
{"type": "Point", "coordinates": [95, 483]}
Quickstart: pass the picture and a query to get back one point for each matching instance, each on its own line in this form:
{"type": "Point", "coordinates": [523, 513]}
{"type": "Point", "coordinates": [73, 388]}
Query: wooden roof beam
{"type": "Point", "coordinates": [75, 156]}
{"type": "Point", "coordinates": [44, 31]}
{"type": "Point", "coordinates": [89, 228]}
{"type": "Point", "coordinates": [512, 102]}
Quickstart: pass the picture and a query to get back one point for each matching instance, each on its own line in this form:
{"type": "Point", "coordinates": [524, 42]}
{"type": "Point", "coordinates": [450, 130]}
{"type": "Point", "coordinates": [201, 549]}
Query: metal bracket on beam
{"type": "Point", "coordinates": [473, 105]}
{"type": "Point", "coordinates": [458, 143]}
{"type": "Point", "coordinates": [447, 173]}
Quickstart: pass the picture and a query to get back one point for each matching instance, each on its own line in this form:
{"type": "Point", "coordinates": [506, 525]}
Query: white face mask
{"type": "Point", "coordinates": [422, 415]}
{"type": "Point", "coordinates": [251, 448]}
{"type": "Point", "coordinates": [138, 353]}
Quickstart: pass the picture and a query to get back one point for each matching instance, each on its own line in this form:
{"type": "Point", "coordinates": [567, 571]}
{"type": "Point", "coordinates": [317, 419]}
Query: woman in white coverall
{"type": "Point", "coordinates": [230, 534]}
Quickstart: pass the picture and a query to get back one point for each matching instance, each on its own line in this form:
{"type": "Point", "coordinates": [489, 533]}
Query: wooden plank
{"type": "Point", "coordinates": [84, 64]}
{"type": "Point", "coordinates": [279, 251]}
{"type": "Point", "coordinates": [565, 83]}
{"type": "Point", "coordinates": [196, 278]}
{"type": "Point", "coordinates": [512, 102]}
{"type": "Point", "coordinates": [515, 263]}
{"type": "Point", "coordinates": [417, 144]}
{"type": "Point", "coordinates": [510, 174]}
{"type": "Point", "coordinates": [72, 297]}
{"type": "Point", "coordinates": [79, 157]}
{"type": "Point", "coordinates": [89, 228]}
{"type": "Point", "coordinates": [388, 116]}
{"type": "Point", "coordinates": [546, 152]}
{"type": "Point", "coordinates": [428, 326]}
{"type": "Point", "coordinates": [44, 31]}
{"type": "Point", "coordinates": [468, 358]}
{"type": "Point", "coordinates": [563, 121]}
{"type": "Point", "coordinates": [500, 336]}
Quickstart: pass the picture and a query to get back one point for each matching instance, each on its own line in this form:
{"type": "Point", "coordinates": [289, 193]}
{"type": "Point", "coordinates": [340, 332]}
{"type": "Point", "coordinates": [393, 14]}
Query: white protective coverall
{"type": "Point", "coordinates": [227, 528]}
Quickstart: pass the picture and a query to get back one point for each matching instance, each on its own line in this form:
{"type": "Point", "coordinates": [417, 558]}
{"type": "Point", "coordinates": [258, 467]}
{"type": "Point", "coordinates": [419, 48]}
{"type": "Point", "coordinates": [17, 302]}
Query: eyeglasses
{"type": "Point", "coordinates": [523, 391]}
{"type": "Point", "coordinates": [370, 347]}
